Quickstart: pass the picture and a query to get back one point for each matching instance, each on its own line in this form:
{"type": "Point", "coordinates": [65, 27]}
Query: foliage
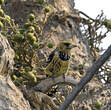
{"type": "Point", "coordinates": [95, 30]}
{"type": "Point", "coordinates": [25, 40]}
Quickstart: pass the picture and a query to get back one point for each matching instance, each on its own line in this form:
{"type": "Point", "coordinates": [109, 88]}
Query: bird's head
{"type": "Point", "coordinates": [65, 46]}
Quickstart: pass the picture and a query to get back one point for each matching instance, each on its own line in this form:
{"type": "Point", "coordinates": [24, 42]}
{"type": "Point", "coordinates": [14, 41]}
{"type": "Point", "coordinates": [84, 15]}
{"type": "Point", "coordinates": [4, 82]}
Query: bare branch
{"type": "Point", "coordinates": [86, 15]}
{"type": "Point", "coordinates": [89, 75]}
{"type": "Point", "coordinates": [46, 84]}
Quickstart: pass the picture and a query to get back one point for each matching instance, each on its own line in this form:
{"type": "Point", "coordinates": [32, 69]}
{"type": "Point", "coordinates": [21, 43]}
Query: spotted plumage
{"type": "Point", "coordinates": [59, 59]}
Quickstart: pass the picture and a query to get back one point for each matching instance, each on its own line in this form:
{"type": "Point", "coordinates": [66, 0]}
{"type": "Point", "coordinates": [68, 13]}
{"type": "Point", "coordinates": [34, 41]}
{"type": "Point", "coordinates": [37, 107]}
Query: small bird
{"type": "Point", "coordinates": [59, 59]}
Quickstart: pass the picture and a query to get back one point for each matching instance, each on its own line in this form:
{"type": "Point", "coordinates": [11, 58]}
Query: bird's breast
{"type": "Point", "coordinates": [64, 56]}
{"type": "Point", "coordinates": [58, 66]}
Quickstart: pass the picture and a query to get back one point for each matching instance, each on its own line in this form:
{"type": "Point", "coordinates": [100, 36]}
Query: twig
{"type": "Point", "coordinates": [86, 15]}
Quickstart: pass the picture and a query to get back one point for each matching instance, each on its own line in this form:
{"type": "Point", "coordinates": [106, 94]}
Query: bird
{"type": "Point", "coordinates": [59, 59]}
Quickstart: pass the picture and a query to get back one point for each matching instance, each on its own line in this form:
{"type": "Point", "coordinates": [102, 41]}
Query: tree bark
{"type": "Point", "coordinates": [10, 96]}
{"type": "Point", "coordinates": [6, 56]}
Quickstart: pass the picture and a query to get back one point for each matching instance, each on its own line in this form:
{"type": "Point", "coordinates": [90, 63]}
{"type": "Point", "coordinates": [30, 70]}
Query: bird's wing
{"type": "Point", "coordinates": [51, 56]}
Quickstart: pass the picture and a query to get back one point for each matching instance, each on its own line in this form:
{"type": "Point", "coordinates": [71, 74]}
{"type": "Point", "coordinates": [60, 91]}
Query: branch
{"type": "Point", "coordinates": [89, 75]}
{"type": "Point", "coordinates": [39, 100]}
{"type": "Point", "coordinates": [46, 84]}
{"type": "Point", "coordinates": [86, 15]}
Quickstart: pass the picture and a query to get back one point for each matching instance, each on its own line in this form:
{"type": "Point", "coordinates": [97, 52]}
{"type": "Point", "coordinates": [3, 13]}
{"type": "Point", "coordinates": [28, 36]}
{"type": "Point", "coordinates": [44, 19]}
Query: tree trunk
{"type": "Point", "coordinates": [10, 96]}
{"type": "Point", "coordinates": [63, 27]}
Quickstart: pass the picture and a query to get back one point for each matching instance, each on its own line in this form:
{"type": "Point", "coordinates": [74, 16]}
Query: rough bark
{"type": "Point", "coordinates": [6, 56]}
{"type": "Point", "coordinates": [40, 101]}
{"type": "Point", "coordinates": [10, 96]}
{"type": "Point", "coordinates": [44, 87]}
